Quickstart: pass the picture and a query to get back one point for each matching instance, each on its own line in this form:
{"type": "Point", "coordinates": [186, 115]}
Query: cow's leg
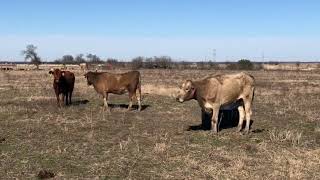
{"type": "Point", "coordinates": [62, 99]}
{"type": "Point", "coordinates": [139, 96]}
{"type": "Point", "coordinates": [247, 107]}
{"type": "Point", "coordinates": [214, 119]}
{"type": "Point", "coordinates": [241, 117]}
{"type": "Point", "coordinates": [131, 96]}
{"type": "Point", "coordinates": [105, 102]}
{"type": "Point", "coordinates": [56, 91]}
{"type": "Point", "coordinates": [67, 98]}
{"type": "Point", "coordinates": [70, 95]}
{"type": "Point", "coordinates": [58, 100]}
{"type": "Point", "coordinates": [139, 102]}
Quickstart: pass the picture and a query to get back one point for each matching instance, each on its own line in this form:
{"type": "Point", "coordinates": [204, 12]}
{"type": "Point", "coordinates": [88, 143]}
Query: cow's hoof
{"type": "Point", "coordinates": [214, 132]}
{"type": "Point", "coordinates": [107, 110]}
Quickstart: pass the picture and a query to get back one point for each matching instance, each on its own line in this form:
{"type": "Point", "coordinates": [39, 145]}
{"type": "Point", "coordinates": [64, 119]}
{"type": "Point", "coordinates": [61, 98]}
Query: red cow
{"type": "Point", "coordinates": [63, 83]}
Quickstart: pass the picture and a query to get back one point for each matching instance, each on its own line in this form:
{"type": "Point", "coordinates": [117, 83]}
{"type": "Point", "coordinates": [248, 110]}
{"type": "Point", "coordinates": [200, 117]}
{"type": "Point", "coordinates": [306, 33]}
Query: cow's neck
{"type": "Point", "coordinates": [94, 79]}
{"type": "Point", "coordinates": [198, 93]}
{"type": "Point", "coordinates": [195, 91]}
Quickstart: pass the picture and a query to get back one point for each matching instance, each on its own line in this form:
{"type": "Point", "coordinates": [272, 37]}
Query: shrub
{"type": "Point", "coordinates": [245, 64]}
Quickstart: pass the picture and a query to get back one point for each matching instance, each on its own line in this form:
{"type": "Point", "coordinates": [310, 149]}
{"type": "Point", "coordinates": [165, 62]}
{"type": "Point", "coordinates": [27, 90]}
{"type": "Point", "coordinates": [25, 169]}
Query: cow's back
{"type": "Point", "coordinates": [115, 82]}
{"type": "Point", "coordinates": [235, 86]}
{"type": "Point", "coordinates": [128, 78]}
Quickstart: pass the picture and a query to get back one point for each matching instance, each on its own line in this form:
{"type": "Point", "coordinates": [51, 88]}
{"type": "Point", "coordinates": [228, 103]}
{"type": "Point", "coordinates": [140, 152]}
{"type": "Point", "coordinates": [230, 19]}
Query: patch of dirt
{"type": "Point", "coordinates": [45, 174]}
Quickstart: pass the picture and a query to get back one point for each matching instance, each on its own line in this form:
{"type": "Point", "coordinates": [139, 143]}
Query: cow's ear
{"type": "Point", "coordinates": [50, 72]}
{"type": "Point", "coordinates": [188, 85]}
{"type": "Point", "coordinates": [62, 74]}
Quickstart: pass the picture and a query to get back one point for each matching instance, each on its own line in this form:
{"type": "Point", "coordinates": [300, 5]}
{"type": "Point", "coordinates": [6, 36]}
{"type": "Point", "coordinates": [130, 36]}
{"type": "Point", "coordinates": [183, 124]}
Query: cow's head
{"type": "Point", "coordinates": [88, 77]}
{"type": "Point", "coordinates": [186, 91]}
{"type": "Point", "coordinates": [57, 74]}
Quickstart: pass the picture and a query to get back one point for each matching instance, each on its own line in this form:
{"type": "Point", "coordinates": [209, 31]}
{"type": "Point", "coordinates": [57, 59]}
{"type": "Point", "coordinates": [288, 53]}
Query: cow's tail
{"type": "Point", "coordinates": [139, 87]}
{"type": "Point", "coordinates": [253, 89]}
{"type": "Point", "coordinates": [139, 91]}
{"type": "Point", "coordinates": [251, 80]}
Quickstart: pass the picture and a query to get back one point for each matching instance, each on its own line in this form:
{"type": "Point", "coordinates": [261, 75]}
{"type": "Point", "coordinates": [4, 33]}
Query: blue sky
{"type": "Point", "coordinates": [185, 30]}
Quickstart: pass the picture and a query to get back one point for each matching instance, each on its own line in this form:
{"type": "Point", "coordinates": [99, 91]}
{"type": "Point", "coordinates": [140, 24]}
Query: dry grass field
{"type": "Point", "coordinates": [164, 140]}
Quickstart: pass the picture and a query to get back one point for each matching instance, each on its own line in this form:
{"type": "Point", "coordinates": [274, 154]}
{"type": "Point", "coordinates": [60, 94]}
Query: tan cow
{"type": "Point", "coordinates": [105, 83]}
{"type": "Point", "coordinates": [218, 91]}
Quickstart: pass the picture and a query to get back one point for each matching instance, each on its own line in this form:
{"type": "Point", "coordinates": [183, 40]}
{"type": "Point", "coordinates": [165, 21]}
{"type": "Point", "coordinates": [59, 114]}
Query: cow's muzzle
{"type": "Point", "coordinates": [179, 100]}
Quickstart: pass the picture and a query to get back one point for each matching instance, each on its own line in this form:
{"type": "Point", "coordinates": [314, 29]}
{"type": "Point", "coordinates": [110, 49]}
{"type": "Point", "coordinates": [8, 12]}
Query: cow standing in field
{"type": "Point", "coordinates": [63, 83]}
{"type": "Point", "coordinates": [219, 91]}
{"type": "Point", "coordinates": [105, 83]}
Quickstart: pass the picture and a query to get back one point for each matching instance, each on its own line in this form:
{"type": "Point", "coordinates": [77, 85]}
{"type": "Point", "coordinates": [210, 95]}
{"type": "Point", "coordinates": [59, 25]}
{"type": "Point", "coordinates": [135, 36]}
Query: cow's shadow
{"type": "Point", "coordinates": [125, 106]}
{"type": "Point", "coordinates": [79, 102]}
{"type": "Point", "coordinates": [227, 119]}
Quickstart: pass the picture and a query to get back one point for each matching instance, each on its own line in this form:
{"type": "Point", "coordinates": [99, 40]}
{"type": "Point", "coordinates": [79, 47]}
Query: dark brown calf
{"type": "Point", "coordinates": [63, 83]}
{"type": "Point", "coordinates": [105, 83]}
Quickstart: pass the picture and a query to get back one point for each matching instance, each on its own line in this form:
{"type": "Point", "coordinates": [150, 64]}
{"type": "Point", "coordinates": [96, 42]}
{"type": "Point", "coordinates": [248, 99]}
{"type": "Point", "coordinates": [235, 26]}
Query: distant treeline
{"type": "Point", "coordinates": [166, 62]}
{"type": "Point", "coordinates": [78, 59]}
{"type": "Point", "coordinates": [161, 62]}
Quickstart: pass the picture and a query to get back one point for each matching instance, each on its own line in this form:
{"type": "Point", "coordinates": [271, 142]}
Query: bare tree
{"type": "Point", "coordinates": [113, 61]}
{"type": "Point", "coordinates": [67, 59]}
{"type": "Point", "coordinates": [137, 62]}
{"type": "Point", "coordinates": [94, 59]}
{"type": "Point", "coordinates": [163, 62]}
{"type": "Point", "coordinates": [80, 59]}
{"type": "Point", "coordinates": [30, 53]}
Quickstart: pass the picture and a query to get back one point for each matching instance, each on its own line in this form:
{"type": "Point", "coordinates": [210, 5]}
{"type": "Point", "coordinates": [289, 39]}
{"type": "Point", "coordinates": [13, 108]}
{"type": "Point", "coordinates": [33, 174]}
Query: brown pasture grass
{"type": "Point", "coordinates": [84, 142]}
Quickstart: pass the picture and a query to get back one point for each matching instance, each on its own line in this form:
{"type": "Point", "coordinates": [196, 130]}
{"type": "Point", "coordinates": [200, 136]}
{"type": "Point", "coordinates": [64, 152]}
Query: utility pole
{"type": "Point", "coordinates": [214, 54]}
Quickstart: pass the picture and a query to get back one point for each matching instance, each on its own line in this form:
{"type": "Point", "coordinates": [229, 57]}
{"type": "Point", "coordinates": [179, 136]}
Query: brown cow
{"type": "Point", "coordinates": [216, 92]}
{"type": "Point", "coordinates": [63, 83]}
{"type": "Point", "coordinates": [104, 83]}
